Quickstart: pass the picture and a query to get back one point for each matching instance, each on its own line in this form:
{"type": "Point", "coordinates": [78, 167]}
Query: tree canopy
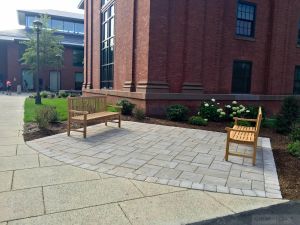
{"type": "Point", "coordinates": [50, 47]}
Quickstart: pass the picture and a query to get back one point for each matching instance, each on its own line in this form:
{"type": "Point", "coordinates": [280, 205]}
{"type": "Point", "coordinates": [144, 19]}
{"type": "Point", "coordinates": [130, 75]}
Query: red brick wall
{"type": "Point", "coordinates": [14, 68]}
{"type": "Point", "coordinates": [179, 42]}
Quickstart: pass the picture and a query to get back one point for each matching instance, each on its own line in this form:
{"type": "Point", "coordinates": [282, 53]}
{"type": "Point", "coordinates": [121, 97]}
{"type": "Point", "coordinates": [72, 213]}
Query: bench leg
{"type": "Point", "coordinates": [119, 121]}
{"type": "Point", "coordinates": [69, 127]}
{"type": "Point", "coordinates": [254, 154]}
{"type": "Point", "coordinates": [105, 122]}
{"type": "Point", "coordinates": [84, 126]}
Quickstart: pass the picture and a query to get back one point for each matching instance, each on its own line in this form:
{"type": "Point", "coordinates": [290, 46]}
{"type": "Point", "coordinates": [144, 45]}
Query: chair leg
{"type": "Point", "coordinates": [227, 149]}
{"type": "Point", "coordinates": [254, 154]}
{"type": "Point", "coordinates": [119, 121]}
{"type": "Point", "coordinates": [69, 127]}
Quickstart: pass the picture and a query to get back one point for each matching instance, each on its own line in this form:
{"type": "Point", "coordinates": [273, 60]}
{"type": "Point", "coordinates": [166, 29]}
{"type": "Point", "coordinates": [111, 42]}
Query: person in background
{"type": "Point", "coordinates": [8, 87]}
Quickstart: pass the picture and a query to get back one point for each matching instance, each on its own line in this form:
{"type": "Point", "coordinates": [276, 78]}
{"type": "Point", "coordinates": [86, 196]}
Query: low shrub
{"type": "Point", "coordinates": [177, 112]}
{"type": "Point", "coordinates": [46, 115]}
{"type": "Point", "coordinates": [197, 120]}
{"type": "Point", "coordinates": [295, 134]}
{"type": "Point", "coordinates": [212, 111]}
{"type": "Point", "coordinates": [294, 149]}
{"type": "Point", "coordinates": [243, 123]}
{"type": "Point", "coordinates": [269, 123]}
{"type": "Point", "coordinates": [44, 94]}
{"type": "Point", "coordinates": [63, 94]}
{"type": "Point", "coordinates": [127, 107]}
{"type": "Point", "coordinates": [139, 114]}
{"type": "Point", "coordinates": [288, 115]}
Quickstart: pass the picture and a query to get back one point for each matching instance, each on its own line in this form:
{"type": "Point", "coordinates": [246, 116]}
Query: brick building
{"type": "Point", "coordinates": [158, 52]}
{"type": "Point", "coordinates": [70, 76]}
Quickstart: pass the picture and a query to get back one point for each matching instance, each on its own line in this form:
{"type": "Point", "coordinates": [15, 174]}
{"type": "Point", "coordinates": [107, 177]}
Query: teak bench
{"type": "Point", "coordinates": [84, 109]}
{"type": "Point", "coordinates": [244, 135]}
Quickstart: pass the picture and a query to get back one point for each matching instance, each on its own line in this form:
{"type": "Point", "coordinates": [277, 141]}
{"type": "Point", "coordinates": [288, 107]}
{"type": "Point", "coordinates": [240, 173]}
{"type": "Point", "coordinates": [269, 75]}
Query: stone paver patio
{"type": "Point", "coordinates": [167, 155]}
{"type": "Point", "coordinates": [38, 190]}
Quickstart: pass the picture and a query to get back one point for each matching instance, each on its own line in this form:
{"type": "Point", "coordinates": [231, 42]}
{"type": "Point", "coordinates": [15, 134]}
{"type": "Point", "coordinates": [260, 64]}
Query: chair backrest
{"type": "Point", "coordinates": [91, 104]}
{"type": "Point", "coordinates": [258, 121]}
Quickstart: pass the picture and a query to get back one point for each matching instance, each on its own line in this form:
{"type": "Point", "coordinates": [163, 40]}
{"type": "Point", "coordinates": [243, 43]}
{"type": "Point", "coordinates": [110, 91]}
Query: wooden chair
{"type": "Point", "coordinates": [244, 135]}
{"type": "Point", "coordinates": [84, 109]}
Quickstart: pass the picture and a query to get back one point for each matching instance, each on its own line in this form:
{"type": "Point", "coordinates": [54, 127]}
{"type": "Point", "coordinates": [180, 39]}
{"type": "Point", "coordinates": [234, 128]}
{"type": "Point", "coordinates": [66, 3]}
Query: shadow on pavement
{"type": "Point", "coordinates": [281, 214]}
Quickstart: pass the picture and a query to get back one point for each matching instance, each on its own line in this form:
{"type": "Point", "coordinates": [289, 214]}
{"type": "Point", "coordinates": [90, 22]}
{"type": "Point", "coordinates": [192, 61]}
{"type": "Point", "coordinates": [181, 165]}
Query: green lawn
{"type": "Point", "coordinates": [59, 103]}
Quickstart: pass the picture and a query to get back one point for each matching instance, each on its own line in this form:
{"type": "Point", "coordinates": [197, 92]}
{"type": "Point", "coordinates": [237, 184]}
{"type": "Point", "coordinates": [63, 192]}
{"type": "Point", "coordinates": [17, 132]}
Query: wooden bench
{"type": "Point", "coordinates": [84, 109]}
{"type": "Point", "coordinates": [244, 135]}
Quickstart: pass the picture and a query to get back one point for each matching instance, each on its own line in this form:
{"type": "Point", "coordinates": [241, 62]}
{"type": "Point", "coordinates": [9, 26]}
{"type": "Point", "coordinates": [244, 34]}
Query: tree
{"type": "Point", "coordinates": [50, 47]}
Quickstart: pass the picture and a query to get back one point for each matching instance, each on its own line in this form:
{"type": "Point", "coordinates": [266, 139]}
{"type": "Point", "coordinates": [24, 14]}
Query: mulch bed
{"type": "Point", "coordinates": [288, 167]}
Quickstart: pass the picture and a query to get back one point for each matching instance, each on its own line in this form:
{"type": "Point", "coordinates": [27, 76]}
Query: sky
{"type": "Point", "coordinates": [8, 14]}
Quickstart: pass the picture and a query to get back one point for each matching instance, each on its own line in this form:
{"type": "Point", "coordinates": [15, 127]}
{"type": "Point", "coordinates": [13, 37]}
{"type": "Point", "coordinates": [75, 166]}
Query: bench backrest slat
{"type": "Point", "coordinates": [258, 121]}
{"type": "Point", "coordinates": [91, 104]}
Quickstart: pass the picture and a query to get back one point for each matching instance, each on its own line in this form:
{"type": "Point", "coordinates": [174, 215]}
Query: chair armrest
{"type": "Point", "coordinates": [79, 112]}
{"type": "Point", "coordinates": [244, 119]}
{"type": "Point", "coordinates": [228, 129]}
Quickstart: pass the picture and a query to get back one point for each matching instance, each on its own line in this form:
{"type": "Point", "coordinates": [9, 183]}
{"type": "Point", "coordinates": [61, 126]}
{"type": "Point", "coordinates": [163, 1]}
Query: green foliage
{"type": "Point", "coordinates": [46, 94]}
{"type": "Point", "coordinates": [45, 115]}
{"type": "Point", "coordinates": [63, 94]}
{"type": "Point", "coordinates": [211, 111]}
{"type": "Point", "coordinates": [177, 112]}
{"type": "Point", "coordinates": [288, 115]}
{"type": "Point", "coordinates": [236, 110]}
{"type": "Point", "coordinates": [269, 123]}
{"type": "Point", "coordinates": [59, 103]}
{"type": "Point", "coordinates": [242, 123]}
{"type": "Point", "coordinates": [50, 47]}
{"type": "Point", "coordinates": [127, 107]}
{"type": "Point", "coordinates": [197, 120]}
{"type": "Point", "coordinates": [294, 149]}
{"type": "Point", "coordinates": [295, 134]}
{"type": "Point", "coordinates": [139, 114]}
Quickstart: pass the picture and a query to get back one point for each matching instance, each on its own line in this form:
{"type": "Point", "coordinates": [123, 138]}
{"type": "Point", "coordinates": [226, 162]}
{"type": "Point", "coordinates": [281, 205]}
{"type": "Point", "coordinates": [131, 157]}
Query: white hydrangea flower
{"type": "Point", "coordinates": [247, 111]}
{"type": "Point", "coordinates": [228, 106]}
{"type": "Point", "coordinates": [206, 104]}
{"type": "Point", "coordinates": [213, 100]}
{"type": "Point", "coordinates": [231, 115]}
{"type": "Point", "coordinates": [205, 120]}
{"type": "Point", "coordinates": [234, 102]}
{"type": "Point", "coordinates": [234, 113]}
{"type": "Point", "coordinates": [198, 113]}
{"type": "Point", "coordinates": [223, 113]}
{"type": "Point", "coordinates": [219, 110]}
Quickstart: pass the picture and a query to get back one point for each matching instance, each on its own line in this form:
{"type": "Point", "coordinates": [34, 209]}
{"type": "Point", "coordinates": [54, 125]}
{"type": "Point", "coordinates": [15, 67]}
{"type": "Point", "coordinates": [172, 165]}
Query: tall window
{"type": "Point", "coordinates": [241, 77]}
{"type": "Point", "coordinates": [107, 47]}
{"type": "Point", "coordinates": [245, 25]}
{"type": "Point", "coordinates": [78, 80]}
{"type": "Point", "coordinates": [78, 55]}
{"type": "Point", "coordinates": [58, 25]}
{"type": "Point", "coordinates": [297, 81]}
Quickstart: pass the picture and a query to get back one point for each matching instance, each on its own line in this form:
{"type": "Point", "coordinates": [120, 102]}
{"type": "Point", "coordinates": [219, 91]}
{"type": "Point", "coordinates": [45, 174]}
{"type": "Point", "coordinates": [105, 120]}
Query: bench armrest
{"type": "Point", "coordinates": [79, 112]}
{"type": "Point", "coordinates": [244, 119]}
{"type": "Point", "coordinates": [228, 129]}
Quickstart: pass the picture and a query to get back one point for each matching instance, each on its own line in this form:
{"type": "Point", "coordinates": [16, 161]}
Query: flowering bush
{"type": "Point", "coordinates": [212, 111]}
{"type": "Point", "coordinates": [236, 110]}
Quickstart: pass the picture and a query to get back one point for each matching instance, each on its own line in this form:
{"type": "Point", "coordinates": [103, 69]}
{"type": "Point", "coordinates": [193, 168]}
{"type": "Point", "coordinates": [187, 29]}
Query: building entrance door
{"type": "Point", "coordinates": [54, 81]}
{"type": "Point", "coordinates": [27, 80]}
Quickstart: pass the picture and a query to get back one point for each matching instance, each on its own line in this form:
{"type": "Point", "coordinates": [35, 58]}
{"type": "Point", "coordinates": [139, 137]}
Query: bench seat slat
{"type": "Point", "coordinates": [96, 116]}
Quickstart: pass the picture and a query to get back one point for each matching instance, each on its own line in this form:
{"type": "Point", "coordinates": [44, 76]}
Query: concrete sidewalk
{"type": "Point", "coordinates": [37, 190]}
